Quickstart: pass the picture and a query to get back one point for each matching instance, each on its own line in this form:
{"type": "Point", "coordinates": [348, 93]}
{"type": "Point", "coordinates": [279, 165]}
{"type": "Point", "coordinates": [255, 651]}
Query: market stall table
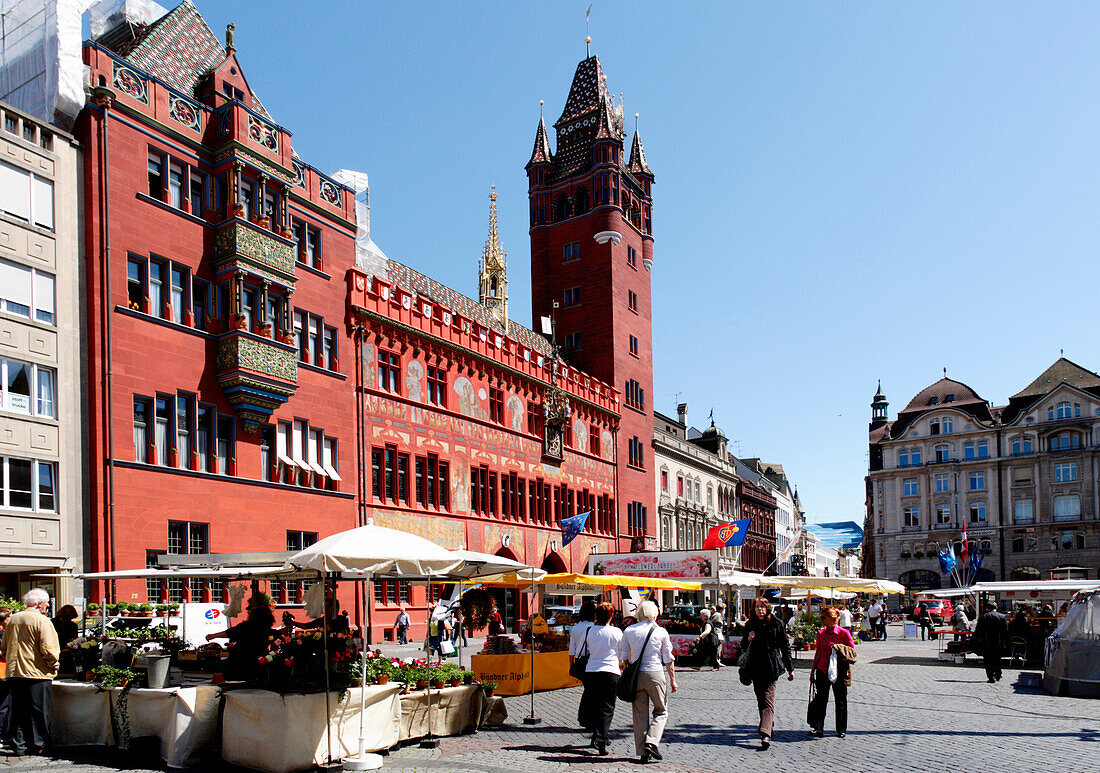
{"type": "Point", "coordinates": [281, 733]}
{"type": "Point", "coordinates": [512, 672]}
{"type": "Point", "coordinates": [184, 718]}
{"type": "Point", "coordinates": [454, 711]}
{"type": "Point", "coordinates": [681, 645]}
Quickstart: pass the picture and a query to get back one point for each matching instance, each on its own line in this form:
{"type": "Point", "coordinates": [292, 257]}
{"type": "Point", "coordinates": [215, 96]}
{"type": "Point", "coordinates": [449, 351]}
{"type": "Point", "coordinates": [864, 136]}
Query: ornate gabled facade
{"type": "Point", "coordinates": [219, 400]}
{"type": "Point", "coordinates": [1022, 477]}
{"type": "Point", "coordinates": [591, 257]}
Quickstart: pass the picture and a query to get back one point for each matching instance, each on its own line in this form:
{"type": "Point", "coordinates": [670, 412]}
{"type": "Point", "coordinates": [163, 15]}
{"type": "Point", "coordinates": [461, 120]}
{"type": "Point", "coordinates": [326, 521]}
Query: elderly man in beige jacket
{"type": "Point", "coordinates": [31, 651]}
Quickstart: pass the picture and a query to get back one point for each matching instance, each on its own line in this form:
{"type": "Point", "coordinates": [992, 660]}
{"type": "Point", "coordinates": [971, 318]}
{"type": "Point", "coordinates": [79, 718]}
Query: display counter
{"type": "Point", "coordinates": [282, 733]}
{"type": "Point", "coordinates": [185, 719]}
{"type": "Point", "coordinates": [512, 673]}
{"type": "Point", "coordinates": [681, 643]}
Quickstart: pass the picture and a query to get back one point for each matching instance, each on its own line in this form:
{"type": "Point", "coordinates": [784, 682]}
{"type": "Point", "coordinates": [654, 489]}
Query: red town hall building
{"type": "Point", "coordinates": [257, 382]}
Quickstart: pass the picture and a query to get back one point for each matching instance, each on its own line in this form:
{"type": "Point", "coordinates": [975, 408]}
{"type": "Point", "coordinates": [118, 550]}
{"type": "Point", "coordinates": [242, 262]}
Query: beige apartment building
{"type": "Point", "coordinates": [1022, 477]}
{"type": "Point", "coordinates": [41, 499]}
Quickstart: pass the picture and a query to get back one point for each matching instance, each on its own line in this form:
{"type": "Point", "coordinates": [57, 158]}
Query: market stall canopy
{"type": "Point", "coordinates": [374, 550]}
{"type": "Point", "coordinates": [488, 566]}
{"type": "Point", "coordinates": [618, 581]}
{"type": "Point", "coordinates": [845, 584]}
{"type": "Point", "coordinates": [159, 573]}
{"type": "Point", "coordinates": [1012, 586]}
{"type": "Point", "coordinates": [821, 593]}
{"type": "Point", "coordinates": [736, 579]}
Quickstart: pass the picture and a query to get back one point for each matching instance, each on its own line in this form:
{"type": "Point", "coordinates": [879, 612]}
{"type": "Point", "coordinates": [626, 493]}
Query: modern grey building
{"type": "Point", "coordinates": [41, 376]}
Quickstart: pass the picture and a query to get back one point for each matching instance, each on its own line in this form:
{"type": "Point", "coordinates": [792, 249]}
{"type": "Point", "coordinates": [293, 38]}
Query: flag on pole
{"type": "Point", "coordinates": [964, 551]}
{"type": "Point", "coordinates": [788, 551]}
{"type": "Point", "coordinates": [947, 559]}
{"type": "Point", "coordinates": [571, 527]}
{"type": "Point", "coordinates": [727, 535]}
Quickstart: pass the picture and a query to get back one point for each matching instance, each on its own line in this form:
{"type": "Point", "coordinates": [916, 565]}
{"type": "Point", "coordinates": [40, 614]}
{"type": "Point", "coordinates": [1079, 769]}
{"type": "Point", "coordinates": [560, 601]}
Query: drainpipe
{"type": "Point", "coordinates": [1000, 503]}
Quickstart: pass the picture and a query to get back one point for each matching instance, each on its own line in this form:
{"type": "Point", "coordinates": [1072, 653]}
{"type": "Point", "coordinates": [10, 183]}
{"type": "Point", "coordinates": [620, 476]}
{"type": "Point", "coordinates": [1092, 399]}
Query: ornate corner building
{"type": "Point", "coordinates": [591, 258]}
{"type": "Point", "coordinates": [1022, 478]}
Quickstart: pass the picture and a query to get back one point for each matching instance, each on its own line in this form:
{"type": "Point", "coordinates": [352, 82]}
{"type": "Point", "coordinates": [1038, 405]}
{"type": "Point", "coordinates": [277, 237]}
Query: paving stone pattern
{"type": "Point", "coordinates": [907, 712]}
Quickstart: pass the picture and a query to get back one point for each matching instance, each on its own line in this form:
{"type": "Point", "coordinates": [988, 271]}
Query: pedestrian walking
{"type": "Point", "coordinates": [924, 620]}
{"type": "Point", "coordinates": [603, 675]}
{"type": "Point", "coordinates": [785, 614]}
{"type": "Point", "coordinates": [830, 672]}
{"type": "Point", "coordinates": [31, 652]}
{"type": "Point", "coordinates": [766, 654]}
{"type": "Point", "coordinates": [708, 644]}
{"type": "Point", "coordinates": [650, 642]}
{"type": "Point", "coordinates": [459, 630]}
{"type": "Point", "coordinates": [401, 626]}
{"type": "Point", "coordinates": [578, 663]}
{"type": "Point", "coordinates": [873, 614]}
{"type": "Point", "coordinates": [990, 640]}
{"type": "Point", "coordinates": [845, 619]}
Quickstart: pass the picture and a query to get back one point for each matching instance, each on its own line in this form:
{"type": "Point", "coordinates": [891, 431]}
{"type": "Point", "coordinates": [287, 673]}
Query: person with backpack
{"type": "Point", "coordinates": [649, 643]}
{"type": "Point", "coordinates": [765, 655]}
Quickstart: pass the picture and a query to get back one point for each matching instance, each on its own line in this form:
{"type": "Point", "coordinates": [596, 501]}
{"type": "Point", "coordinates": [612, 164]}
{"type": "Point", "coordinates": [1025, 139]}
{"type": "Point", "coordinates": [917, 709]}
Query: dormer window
{"type": "Point", "coordinates": [933, 401]}
{"type": "Point", "coordinates": [949, 398]}
{"type": "Point", "coordinates": [232, 92]}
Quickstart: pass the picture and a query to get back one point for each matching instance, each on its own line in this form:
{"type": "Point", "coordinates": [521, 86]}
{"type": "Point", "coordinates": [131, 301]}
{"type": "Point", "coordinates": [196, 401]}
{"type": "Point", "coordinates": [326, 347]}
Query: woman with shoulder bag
{"type": "Point", "coordinates": [648, 645]}
{"type": "Point", "coordinates": [832, 661]}
{"type": "Point", "coordinates": [603, 670]}
{"type": "Point", "coordinates": [708, 644]}
{"type": "Point", "coordinates": [578, 660]}
{"type": "Point", "coordinates": [765, 655]}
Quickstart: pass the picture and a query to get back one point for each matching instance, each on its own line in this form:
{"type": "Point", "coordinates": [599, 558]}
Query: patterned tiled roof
{"type": "Point", "coordinates": [541, 152]}
{"type": "Point", "coordinates": [180, 49]}
{"type": "Point", "coordinates": [411, 279]}
{"type": "Point", "coordinates": [588, 115]}
{"type": "Point", "coordinates": [638, 163]}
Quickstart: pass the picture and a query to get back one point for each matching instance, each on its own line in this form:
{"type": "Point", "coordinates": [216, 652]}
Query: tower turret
{"type": "Point", "coordinates": [493, 269]}
{"type": "Point", "coordinates": [879, 406]}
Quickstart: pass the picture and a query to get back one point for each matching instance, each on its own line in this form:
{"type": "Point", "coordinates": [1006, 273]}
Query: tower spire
{"type": "Point", "coordinates": [493, 269]}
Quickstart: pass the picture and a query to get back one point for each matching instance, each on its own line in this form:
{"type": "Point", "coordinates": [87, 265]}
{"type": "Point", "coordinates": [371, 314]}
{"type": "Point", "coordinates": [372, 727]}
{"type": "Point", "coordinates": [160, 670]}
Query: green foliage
{"type": "Point", "coordinates": [477, 604]}
{"type": "Point", "coordinates": [13, 604]}
{"type": "Point", "coordinates": [109, 676]}
{"type": "Point", "coordinates": [805, 629]}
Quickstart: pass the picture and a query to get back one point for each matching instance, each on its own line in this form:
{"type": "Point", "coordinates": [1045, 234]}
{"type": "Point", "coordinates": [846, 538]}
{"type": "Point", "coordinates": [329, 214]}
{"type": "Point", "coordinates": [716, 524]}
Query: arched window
{"type": "Point", "coordinates": [1021, 445]}
{"type": "Point", "coordinates": [943, 453]}
{"type": "Point", "coordinates": [580, 201]}
{"type": "Point", "coordinates": [561, 207]}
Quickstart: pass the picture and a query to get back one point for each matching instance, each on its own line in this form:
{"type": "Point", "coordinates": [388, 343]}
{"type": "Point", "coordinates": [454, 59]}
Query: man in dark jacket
{"type": "Point", "coordinates": [991, 640]}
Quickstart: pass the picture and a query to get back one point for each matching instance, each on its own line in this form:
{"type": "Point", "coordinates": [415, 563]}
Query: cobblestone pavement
{"type": "Point", "coordinates": [907, 712]}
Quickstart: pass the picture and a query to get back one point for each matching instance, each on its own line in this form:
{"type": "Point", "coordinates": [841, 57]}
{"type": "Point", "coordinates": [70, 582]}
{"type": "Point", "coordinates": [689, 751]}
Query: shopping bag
{"type": "Point", "coordinates": [834, 667]}
{"type": "Point", "coordinates": [446, 648]}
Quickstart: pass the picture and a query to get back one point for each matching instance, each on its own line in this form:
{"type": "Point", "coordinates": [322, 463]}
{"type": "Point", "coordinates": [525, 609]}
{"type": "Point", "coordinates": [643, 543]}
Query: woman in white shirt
{"type": "Point", "coordinates": [578, 648]}
{"type": "Point", "coordinates": [656, 655]}
{"type": "Point", "coordinates": [603, 673]}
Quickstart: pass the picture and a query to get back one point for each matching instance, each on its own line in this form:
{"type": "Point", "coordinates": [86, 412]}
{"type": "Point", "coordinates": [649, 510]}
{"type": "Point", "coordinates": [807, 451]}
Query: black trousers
{"type": "Point", "coordinates": [30, 713]}
{"type": "Point", "coordinates": [820, 704]}
{"type": "Point", "coordinates": [992, 666]}
{"type": "Point", "coordinates": [598, 702]}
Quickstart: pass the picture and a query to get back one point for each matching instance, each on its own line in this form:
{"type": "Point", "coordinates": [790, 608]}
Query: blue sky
{"type": "Point", "coordinates": [844, 192]}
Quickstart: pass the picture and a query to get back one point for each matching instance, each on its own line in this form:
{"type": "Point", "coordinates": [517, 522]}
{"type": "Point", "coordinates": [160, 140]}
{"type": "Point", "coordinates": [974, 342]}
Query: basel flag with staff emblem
{"type": "Point", "coordinates": [727, 535]}
{"type": "Point", "coordinates": [571, 527]}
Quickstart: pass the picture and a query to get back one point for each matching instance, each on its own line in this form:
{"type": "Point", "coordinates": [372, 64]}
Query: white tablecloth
{"type": "Point", "coordinates": [185, 719]}
{"type": "Point", "coordinates": [283, 733]}
{"type": "Point", "coordinates": [454, 711]}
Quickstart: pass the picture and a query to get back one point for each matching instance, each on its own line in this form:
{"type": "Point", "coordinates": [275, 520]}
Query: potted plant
{"type": "Point", "coordinates": [122, 608]}
{"type": "Point", "coordinates": [455, 680]}
{"type": "Point", "coordinates": [109, 676]}
{"type": "Point", "coordinates": [147, 610]}
{"type": "Point", "coordinates": [162, 610]}
{"type": "Point", "coordinates": [488, 687]}
{"type": "Point", "coordinates": [437, 682]}
{"type": "Point", "coordinates": [93, 610]}
{"type": "Point", "coordinates": [467, 677]}
{"type": "Point", "coordinates": [173, 609]}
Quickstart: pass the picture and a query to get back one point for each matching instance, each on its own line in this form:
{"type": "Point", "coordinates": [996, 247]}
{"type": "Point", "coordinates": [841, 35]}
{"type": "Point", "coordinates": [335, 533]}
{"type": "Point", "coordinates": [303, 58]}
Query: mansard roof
{"type": "Point", "coordinates": [945, 393]}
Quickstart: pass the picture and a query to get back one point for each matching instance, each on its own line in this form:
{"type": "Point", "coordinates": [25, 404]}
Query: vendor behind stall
{"type": "Point", "coordinates": [335, 622]}
{"type": "Point", "coordinates": [248, 642]}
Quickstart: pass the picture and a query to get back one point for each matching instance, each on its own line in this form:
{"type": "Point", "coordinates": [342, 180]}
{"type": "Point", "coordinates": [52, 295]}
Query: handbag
{"type": "Point", "coordinates": [579, 666]}
{"type": "Point", "coordinates": [627, 688]}
{"type": "Point", "coordinates": [743, 672]}
{"type": "Point", "coordinates": [810, 718]}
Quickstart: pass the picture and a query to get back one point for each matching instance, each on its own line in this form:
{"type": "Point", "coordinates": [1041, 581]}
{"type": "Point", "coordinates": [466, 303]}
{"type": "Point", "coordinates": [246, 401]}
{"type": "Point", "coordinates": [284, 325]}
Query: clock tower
{"type": "Point", "coordinates": [493, 270]}
{"type": "Point", "coordinates": [591, 258]}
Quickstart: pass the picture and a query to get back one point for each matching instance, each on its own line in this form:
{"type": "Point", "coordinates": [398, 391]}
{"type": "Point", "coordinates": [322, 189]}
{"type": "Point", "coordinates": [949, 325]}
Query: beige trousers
{"type": "Point", "coordinates": [652, 687]}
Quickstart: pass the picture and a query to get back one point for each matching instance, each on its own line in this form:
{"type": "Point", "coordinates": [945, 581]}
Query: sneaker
{"type": "Point", "coordinates": [654, 752]}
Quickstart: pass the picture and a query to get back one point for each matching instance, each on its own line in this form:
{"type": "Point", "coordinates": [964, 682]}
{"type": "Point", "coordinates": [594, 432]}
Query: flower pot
{"type": "Point", "coordinates": [382, 678]}
{"type": "Point", "coordinates": [422, 684]}
{"type": "Point", "coordinates": [437, 684]}
{"type": "Point", "coordinates": [468, 679]}
{"type": "Point", "coordinates": [455, 681]}
{"type": "Point", "coordinates": [489, 692]}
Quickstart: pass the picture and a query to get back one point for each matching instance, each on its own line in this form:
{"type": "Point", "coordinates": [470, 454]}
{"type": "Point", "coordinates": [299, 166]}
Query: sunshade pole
{"type": "Point", "coordinates": [430, 742]}
{"type": "Point", "coordinates": [531, 719]}
{"type": "Point", "coordinates": [328, 664]}
{"type": "Point", "coordinates": [362, 760]}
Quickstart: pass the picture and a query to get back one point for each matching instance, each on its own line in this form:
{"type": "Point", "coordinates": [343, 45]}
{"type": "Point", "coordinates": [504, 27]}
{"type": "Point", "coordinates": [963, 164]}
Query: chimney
{"type": "Point", "coordinates": [682, 413]}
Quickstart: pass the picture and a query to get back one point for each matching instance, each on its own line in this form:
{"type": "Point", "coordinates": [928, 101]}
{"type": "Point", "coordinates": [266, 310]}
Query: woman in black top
{"type": "Point", "coordinates": [248, 642]}
{"type": "Point", "coordinates": [768, 656]}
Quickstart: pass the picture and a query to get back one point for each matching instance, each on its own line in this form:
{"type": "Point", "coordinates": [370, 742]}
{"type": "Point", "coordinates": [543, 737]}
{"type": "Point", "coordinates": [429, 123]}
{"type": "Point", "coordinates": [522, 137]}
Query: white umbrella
{"type": "Point", "coordinates": [847, 584]}
{"type": "Point", "coordinates": [374, 550]}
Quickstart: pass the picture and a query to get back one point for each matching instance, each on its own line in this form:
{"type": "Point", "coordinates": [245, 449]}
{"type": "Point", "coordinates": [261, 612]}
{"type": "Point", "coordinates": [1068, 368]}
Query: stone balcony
{"type": "Point", "coordinates": [250, 247]}
{"type": "Point", "coordinates": [256, 374]}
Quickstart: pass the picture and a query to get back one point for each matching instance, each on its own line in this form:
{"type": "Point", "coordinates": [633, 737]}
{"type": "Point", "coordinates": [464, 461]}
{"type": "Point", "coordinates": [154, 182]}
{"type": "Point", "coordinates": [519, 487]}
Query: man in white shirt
{"type": "Point", "coordinates": [657, 659]}
{"type": "Point", "coordinates": [845, 618]}
{"type": "Point", "coordinates": [873, 615]}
